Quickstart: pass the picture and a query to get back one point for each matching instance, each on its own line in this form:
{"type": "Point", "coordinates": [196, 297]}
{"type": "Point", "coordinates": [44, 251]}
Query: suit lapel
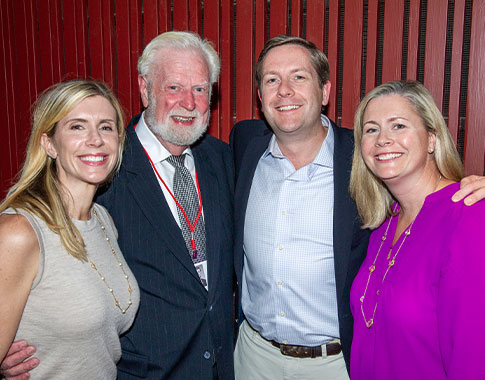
{"type": "Point", "coordinates": [342, 214]}
{"type": "Point", "coordinates": [146, 191]}
{"type": "Point", "coordinates": [210, 193]}
{"type": "Point", "coordinates": [251, 157]}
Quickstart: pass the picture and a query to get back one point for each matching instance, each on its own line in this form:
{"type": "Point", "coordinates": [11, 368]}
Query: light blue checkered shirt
{"type": "Point", "coordinates": [288, 285]}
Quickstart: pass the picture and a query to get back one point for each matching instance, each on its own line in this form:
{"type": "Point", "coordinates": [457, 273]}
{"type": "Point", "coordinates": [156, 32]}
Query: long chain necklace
{"type": "Point", "coordinates": [120, 264]}
{"type": "Point", "coordinates": [372, 268]}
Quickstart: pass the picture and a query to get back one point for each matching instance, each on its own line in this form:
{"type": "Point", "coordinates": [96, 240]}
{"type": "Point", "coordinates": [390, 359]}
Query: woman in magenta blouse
{"type": "Point", "coordinates": [418, 300]}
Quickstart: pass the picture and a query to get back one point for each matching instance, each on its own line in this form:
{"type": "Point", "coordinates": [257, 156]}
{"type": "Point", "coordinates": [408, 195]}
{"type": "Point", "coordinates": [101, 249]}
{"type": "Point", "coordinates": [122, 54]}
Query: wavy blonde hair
{"type": "Point", "coordinates": [38, 189]}
{"type": "Point", "coordinates": [374, 201]}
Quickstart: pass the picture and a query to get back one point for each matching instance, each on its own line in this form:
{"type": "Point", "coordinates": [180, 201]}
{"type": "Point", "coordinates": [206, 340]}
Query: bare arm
{"type": "Point", "coordinates": [472, 189]}
{"type": "Point", "coordinates": [19, 258]}
{"type": "Point", "coordinates": [15, 366]}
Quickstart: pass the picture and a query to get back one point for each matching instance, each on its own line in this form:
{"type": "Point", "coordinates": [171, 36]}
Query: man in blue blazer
{"type": "Point", "coordinates": [184, 327]}
{"type": "Point", "coordinates": [298, 241]}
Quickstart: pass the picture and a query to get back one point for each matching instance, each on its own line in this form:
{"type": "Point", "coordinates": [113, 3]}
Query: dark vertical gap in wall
{"type": "Point", "coordinates": [380, 41]}
{"type": "Point", "coordinates": [405, 41]}
{"type": "Point", "coordinates": [268, 17]}
{"type": "Point", "coordinates": [202, 29]}
{"type": "Point", "coordinates": [303, 21]}
{"type": "Point", "coordinates": [448, 51]}
{"type": "Point", "coordinates": [464, 74]}
{"type": "Point", "coordinates": [288, 18]}
{"type": "Point", "coordinates": [341, 22]}
{"type": "Point", "coordinates": [363, 63]}
{"type": "Point", "coordinates": [327, 19]}
{"type": "Point", "coordinates": [422, 39]}
{"type": "Point", "coordinates": [234, 66]}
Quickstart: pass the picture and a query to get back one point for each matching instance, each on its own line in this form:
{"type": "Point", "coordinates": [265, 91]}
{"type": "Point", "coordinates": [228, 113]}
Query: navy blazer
{"type": "Point", "coordinates": [180, 327]}
{"type": "Point", "coordinates": [249, 139]}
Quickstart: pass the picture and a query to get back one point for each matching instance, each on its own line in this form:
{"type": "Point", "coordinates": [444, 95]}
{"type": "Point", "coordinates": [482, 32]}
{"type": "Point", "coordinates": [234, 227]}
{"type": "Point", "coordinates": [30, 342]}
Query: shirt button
{"type": "Point", "coordinates": [282, 313]}
{"type": "Point", "coordinates": [285, 342]}
{"type": "Point", "coordinates": [281, 248]}
{"type": "Point", "coordinates": [283, 213]}
{"type": "Point", "coordinates": [207, 355]}
{"type": "Point", "coordinates": [280, 283]}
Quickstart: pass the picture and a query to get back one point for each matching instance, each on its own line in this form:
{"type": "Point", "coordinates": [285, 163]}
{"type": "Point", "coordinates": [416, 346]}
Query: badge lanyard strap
{"type": "Point", "coordinates": [191, 226]}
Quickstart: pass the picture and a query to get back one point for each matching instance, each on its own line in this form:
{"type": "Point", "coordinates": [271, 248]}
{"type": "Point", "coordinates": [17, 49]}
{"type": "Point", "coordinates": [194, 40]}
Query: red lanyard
{"type": "Point", "coordinates": [191, 226]}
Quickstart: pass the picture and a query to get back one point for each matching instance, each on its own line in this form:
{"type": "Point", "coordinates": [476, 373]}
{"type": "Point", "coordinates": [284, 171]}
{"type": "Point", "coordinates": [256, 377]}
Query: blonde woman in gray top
{"type": "Point", "coordinates": [64, 284]}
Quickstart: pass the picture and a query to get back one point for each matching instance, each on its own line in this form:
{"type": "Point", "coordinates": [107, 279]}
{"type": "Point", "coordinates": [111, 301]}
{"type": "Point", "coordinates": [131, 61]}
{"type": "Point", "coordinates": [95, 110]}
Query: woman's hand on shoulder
{"type": "Point", "coordinates": [19, 260]}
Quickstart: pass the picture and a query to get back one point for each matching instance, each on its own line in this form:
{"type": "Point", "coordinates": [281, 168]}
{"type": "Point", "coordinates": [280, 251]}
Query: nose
{"type": "Point", "coordinates": [94, 137]}
{"type": "Point", "coordinates": [188, 100]}
{"type": "Point", "coordinates": [285, 89]}
{"type": "Point", "coordinates": [383, 138]}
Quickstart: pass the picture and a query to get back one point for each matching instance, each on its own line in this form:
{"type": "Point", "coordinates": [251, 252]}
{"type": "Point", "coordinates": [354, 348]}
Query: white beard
{"type": "Point", "coordinates": [180, 135]}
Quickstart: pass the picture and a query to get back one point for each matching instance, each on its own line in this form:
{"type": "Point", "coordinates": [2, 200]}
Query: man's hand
{"type": "Point", "coordinates": [15, 366]}
{"type": "Point", "coordinates": [471, 187]}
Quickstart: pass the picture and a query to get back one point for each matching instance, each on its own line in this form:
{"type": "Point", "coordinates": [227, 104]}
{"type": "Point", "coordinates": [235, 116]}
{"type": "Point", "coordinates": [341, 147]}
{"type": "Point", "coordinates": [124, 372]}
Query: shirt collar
{"type": "Point", "coordinates": [325, 155]}
{"type": "Point", "coordinates": [152, 145]}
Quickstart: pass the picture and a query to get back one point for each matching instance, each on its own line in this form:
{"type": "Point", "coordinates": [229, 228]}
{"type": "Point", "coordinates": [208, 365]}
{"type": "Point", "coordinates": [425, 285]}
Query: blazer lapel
{"type": "Point", "coordinates": [342, 214]}
{"type": "Point", "coordinates": [149, 196]}
{"type": "Point", "coordinates": [251, 157]}
{"type": "Point", "coordinates": [210, 193]}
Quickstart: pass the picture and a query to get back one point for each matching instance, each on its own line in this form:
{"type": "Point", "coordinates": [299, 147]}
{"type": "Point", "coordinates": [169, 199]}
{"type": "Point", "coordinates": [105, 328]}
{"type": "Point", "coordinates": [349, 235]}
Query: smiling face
{"type": "Point", "coordinates": [84, 144]}
{"type": "Point", "coordinates": [177, 96]}
{"type": "Point", "coordinates": [395, 143]}
{"type": "Point", "coordinates": [290, 94]}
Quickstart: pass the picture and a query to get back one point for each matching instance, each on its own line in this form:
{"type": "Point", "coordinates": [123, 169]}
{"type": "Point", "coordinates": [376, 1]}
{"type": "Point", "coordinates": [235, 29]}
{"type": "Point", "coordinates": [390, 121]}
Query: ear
{"type": "Point", "coordinates": [326, 92]}
{"type": "Point", "coordinates": [142, 84]}
{"type": "Point", "coordinates": [259, 96]}
{"type": "Point", "coordinates": [48, 146]}
{"type": "Point", "coordinates": [431, 142]}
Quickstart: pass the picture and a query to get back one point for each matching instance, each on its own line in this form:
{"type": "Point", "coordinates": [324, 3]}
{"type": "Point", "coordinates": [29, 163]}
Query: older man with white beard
{"type": "Point", "coordinates": [172, 205]}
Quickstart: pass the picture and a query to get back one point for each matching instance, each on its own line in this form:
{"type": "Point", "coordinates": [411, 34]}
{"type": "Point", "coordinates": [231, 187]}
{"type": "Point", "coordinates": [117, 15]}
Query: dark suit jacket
{"type": "Point", "coordinates": [249, 139]}
{"type": "Point", "coordinates": [180, 326]}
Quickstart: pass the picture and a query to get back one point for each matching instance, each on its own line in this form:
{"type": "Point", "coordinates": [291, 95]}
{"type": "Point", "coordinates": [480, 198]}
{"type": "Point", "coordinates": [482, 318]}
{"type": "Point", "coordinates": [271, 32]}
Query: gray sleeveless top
{"type": "Point", "coordinates": [70, 315]}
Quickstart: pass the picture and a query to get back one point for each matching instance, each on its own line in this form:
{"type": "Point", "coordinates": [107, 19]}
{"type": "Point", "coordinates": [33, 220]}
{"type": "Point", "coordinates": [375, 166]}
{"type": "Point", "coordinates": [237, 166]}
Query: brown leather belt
{"type": "Point", "coordinates": [333, 348]}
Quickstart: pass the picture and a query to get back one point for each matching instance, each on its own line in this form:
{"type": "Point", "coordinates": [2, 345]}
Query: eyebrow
{"type": "Point", "coordinates": [391, 119]}
{"type": "Point", "coordinates": [273, 72]}
{"type": "Point", "coordinates": [80, 120]}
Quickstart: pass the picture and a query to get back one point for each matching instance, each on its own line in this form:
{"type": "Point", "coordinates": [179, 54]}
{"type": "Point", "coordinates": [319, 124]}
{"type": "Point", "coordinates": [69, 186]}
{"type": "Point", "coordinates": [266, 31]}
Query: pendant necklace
{"type": "Point", "coordinates": [372, 267]}
{"type": "Point", "coordinates": [120, 264]}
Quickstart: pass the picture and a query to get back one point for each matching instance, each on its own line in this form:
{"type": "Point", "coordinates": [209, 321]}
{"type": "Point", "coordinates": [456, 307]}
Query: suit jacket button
{"type": "Point", "coordinates": [207, 355]}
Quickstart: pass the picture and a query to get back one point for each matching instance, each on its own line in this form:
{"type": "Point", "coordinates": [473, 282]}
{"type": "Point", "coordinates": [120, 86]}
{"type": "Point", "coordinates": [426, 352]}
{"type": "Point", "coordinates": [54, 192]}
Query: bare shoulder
{"type": "Point", "coordinates": [19, 247]}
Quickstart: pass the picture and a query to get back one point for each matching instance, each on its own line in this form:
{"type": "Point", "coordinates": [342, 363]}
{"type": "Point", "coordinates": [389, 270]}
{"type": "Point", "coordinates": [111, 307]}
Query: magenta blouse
{"type": "Point", "coordinates": [430, 317]}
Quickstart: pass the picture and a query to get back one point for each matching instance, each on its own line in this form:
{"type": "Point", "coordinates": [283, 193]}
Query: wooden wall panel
{"type": "Point", "coordinates": [278, 17]}
{"type": "Point", "coordinates": [352, 62]}
{"type": "Point", "coordinates": [46, 41]}
{"type": "Point", "coordinates": [475, 110]}
{"type": "Point", "coordinates": [456, 67]}
{"type": "Point", "coordinates": [434, 69]}
{"type": "Point", "coordinates": [393, 32]}
{"type": "Point", "coordinates": [244, 60]}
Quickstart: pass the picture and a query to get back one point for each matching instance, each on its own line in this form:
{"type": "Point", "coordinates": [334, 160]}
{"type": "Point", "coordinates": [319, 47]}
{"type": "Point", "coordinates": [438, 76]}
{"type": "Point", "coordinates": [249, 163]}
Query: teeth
{"type": "Point", "coordinates": [183, 119]}
{"type": "Point", "coordinates": [288, 108]}
{"type": "Point", "coordinates": [93, 158]}
{"type": "Point", "coordinates": [388, 156]}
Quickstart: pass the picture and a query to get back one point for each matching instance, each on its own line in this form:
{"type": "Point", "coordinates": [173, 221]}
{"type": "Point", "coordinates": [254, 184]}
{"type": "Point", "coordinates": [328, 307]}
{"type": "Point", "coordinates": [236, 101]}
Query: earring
{"type": "Point", "coordinates": [431, 151]}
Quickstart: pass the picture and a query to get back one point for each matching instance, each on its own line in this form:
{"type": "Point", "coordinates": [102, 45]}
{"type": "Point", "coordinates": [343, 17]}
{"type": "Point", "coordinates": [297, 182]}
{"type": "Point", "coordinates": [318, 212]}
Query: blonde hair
{"type": "Point", "coordinates": [373, 199]}
{"type": "Point", "coordinates": [38, 189]}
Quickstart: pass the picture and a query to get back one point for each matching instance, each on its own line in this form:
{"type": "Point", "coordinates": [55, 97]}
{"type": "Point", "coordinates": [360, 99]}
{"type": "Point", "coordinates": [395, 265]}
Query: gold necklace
{"type": "Point", "coordinates": [120, 264]}
{"type": "Point", "coordinates": [372, 268]}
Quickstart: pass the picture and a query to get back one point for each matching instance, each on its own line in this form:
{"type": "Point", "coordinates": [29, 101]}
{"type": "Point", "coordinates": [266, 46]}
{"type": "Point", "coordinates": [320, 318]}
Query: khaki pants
{"type": "Point", "coordinates": [257, 359]}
